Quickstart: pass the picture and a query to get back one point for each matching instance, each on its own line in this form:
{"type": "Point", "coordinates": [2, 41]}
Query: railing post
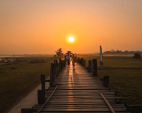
{"type": "Point", "coordinates": [60, 66]}
{"type": "Point", "coordinates": [84, 63]}
{"type": "Point", "coordinates": [89, 65]}
{"type": "Point", "coordinates": [43, 83]}
{"type": "Point", "coordinates": [95, 67]}
{"type": "Point", "coordinates": [41, 97]}
{"type": "Point", "coordinates": [106, 80]}
{"type": "Point", "coordinates": [52, 74]}
{"type": "Point", "coordinates": [41, 93]}
{"type": "Point", "coordinates": [54, 71]}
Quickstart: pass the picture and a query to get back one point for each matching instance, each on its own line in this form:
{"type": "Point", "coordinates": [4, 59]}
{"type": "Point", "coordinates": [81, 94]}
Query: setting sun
{"type": "Point", "coordinates": [71, 39]}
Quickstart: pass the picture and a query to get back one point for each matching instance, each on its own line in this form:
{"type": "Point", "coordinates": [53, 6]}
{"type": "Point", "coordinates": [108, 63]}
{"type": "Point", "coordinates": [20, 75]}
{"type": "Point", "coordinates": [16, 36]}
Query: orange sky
{"type": "Point", "coordinates": [41, 26]}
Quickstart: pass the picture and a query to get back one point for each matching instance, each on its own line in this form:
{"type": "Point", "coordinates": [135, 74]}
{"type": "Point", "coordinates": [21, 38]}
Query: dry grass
{"type": "Point", "coordinates": [125, 78]}
{"type": "Point", "coordinates": [16, 80]}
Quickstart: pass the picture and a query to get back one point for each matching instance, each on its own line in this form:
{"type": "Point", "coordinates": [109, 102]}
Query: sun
{"type": "Point", "coordinates": [71, 39]}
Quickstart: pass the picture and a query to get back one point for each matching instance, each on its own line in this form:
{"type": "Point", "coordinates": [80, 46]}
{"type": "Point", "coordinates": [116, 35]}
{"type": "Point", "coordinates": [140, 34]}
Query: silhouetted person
{"type": "Point", "coordinates": [74, 59]}
{"type": "Point", "coordinates": [68, 57]}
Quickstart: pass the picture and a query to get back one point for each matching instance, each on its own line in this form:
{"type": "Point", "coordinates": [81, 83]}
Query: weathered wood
{"type": "Point", "coordinates": [41, 96]}
{"type": "Point", "coordinates": [101, 56]}
{"type": "Point", "coordinates": [89, 66]}
{"type": "Point", "coordinates": [78, 91]}
{"type": "Point", "coordinates": [108, 104]}
{"type": "Point", "coordinates": [95, 67]}
{"type": "Point", "coordinates": [52, 75]}
{"type": "Point", "coordinates": [45, 102]}
{"type": "Point", "coordinates": [106, 80]}
{"type": "Point", "coordinates": [42, 83]}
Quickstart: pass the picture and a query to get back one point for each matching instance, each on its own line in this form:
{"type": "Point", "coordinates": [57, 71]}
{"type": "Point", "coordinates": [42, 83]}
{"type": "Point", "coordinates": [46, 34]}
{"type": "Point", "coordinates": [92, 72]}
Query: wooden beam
{"type": "Point", "coordinates": [107, 103]}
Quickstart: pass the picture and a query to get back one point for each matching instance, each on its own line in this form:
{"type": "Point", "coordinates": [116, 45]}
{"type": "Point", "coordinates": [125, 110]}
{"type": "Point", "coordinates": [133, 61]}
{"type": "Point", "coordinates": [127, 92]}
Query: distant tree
{"type": "Point", "coordinates": [60, 54]}
{"type": "Point", "coordinates": [137, 55]}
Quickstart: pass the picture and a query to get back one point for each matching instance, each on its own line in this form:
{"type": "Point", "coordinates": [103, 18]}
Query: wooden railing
{"type": "Point", "coordinates": [92, 67]}
{"type": "Point", "coordinates": [55, 69]}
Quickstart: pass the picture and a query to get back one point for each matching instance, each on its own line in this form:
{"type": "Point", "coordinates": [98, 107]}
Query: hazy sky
{"type": "Point", "coordinates": [41, 26]}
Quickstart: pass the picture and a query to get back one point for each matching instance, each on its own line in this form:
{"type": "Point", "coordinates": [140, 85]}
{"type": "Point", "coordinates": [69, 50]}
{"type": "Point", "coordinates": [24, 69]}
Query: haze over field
{"type": "Point", "coordinates": [42, 26]}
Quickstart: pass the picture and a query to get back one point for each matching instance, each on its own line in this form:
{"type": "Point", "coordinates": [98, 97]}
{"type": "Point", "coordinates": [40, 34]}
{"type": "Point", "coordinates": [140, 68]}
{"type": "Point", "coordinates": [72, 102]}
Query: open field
{"type": "Point", "coordinates": [117, 61]}
{"type": "Point", "coordinates": [18, 78]}
{"type": "Point", "coordinates": [125, 76]}
{"type": "Point", "coordinates": [128, 83]}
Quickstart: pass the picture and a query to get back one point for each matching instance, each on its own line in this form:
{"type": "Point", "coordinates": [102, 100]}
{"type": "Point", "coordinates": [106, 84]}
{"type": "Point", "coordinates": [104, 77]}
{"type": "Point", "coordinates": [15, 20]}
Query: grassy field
{"type": "Point", "coordinates": [127, 82]}
{"type": "Point", "coordinates": [117, 61]}
{"type": "Point", "coordinates": [125, 76]}
{"type": "Point", "coordinates": [17, 79]}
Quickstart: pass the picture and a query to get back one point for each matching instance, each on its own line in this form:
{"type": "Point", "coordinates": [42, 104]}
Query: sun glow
{"type": "Point", "coordinates": [71, 39]}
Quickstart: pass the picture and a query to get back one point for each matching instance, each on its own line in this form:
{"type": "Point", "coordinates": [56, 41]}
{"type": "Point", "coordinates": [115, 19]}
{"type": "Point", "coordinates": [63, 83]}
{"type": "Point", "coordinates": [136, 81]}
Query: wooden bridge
{"type": "Point", "coordinates": [75, 90]}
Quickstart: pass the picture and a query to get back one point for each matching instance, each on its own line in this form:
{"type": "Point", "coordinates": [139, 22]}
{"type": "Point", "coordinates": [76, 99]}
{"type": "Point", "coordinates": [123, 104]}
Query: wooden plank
{"type": "Point", "coordinates": [42, 107]}
{"type": "Point", "coordinates": [80, 92]}
{"type": "Point", "coordinates": [108, 104]}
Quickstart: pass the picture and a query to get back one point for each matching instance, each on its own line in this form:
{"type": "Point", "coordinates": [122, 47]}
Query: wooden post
{"type": "Point", "coordinates": [41, 93]}
{"type": "Point", "coordinates": [60, 66]}
{"type": "Point", "coordinates": [89, 65]}
{"type": "Point", "coordinates": [64, 63]}
{"type": "Point", "coordinates": [56, 69]}
{"type": "Point", "coordinates": [43, 83]}
{"type": "Point", "coordinates": [83, 62]}
{"type": "Point", "coordinates": [53, 73]}
{"type": "Point", "coordinates": [41, 97]}
{"type": "Point", "coordinates": [95, 67]}
{"type": "Point", "coordinates": [79, 60]}
{"type": "Point", "coordinates": [101, 56]}
{"type": "Point", "coordinates": [106, 80]}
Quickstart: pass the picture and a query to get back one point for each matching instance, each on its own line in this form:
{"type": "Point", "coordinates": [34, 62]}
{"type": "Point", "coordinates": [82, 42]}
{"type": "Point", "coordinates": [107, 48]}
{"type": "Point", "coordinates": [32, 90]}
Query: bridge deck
{"type": "Point", "coordinates": [78, 91]}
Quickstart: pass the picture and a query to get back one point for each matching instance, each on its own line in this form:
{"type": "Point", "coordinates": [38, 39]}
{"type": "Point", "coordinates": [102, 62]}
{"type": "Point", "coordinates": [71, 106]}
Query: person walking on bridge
{"type": "Point", "coordinates": [68, 57]}
{"type": "Point", "coordinates": [74, 57]}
